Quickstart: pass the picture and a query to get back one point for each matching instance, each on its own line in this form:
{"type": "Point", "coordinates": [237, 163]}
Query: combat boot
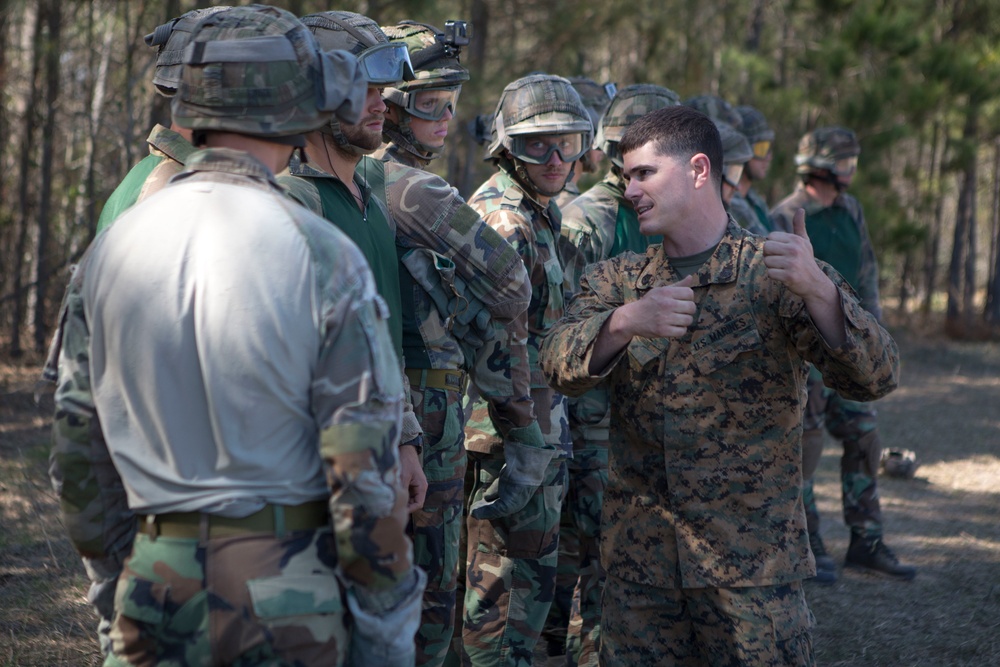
{"type": "Point", "coordinates": [872, 554]}
{"type": "Point", "coordinates": [826, 569]}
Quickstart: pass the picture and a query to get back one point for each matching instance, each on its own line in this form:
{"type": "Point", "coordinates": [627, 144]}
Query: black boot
{"type": "Point", "coordinates": [872, 554]}
{"type": "Point", "coordinates": [826, 569]}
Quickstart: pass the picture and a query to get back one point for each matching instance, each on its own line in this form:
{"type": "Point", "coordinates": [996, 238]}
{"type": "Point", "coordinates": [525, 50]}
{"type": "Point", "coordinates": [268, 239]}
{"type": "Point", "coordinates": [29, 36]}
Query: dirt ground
{"type": "Point", "coordinates": [945, 521]}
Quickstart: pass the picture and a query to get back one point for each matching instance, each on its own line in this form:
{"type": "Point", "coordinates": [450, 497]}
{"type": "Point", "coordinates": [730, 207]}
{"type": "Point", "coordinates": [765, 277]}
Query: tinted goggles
{"type": "Point", "coordinates": [845, 166]}
{"type": "Point", "coordinates": [386, 63]}
{"type": "Point", "coordinates": [731, 174]}
{"type": "Point", "coordinates": [538, 148]}
{"type": "Point", "coordinates": [761, 149]}
{"type": "Point", "coordinates": [432, 104]}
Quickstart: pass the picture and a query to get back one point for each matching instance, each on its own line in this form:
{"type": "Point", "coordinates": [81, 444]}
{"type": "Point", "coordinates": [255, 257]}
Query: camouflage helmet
{"type": "Point", "coordinates": [434, 56]}
{"type": "Point", "coordinates": [258, 71]}
{"type": "Point", "coordinates": [594, 96]}
{"type": "Point", "coordinates": [755, 126]}
{"type": "Point", "coordinates": [736, 152]}
{"type": "Point", "coordinates": [170, 39]}
{"type": "Point", "coordinates": [539, 104]}
{"type": "Point", "coordinates": [348, 31]}
{"type": "Point", "coordinates": [716, 108]}
{"type": "Point", "coordinates": [382, 63]}
{"type": "Point", "coordinates": [833, 149]}
{"type": "Point", "coordinates": [735, 147]}
{"type": "Point", "coordinates": [630, 104]}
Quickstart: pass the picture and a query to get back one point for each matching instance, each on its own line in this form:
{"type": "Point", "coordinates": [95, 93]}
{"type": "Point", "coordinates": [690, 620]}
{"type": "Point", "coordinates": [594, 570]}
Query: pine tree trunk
{"type": "Point", "coordinates": [956, 317]}
{"type": "Point", "coordinates": [991, 311]}
{"type": "Point", "coordinates": [53, 21]}
{"type": "Point", "coordinates": [24, 177]}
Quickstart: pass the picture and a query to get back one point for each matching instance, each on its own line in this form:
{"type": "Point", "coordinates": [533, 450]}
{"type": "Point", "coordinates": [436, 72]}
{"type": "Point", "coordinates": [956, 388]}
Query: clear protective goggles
{"type": "Point", "coordinates": [432, 104]}
{"type": "Point", "coordinates": [845, 166]}
{"type": "Point", "coordinates": [731, 175]}
{"type": "Point", "coordinates": [538, 148]}
{"type": "Point", "coordinates": [386, 63]}
{"type": "Point", "coordinates": [761, 149]}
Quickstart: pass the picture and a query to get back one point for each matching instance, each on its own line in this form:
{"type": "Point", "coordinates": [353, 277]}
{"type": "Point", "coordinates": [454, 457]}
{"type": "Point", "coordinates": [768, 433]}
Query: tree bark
{"type": "Point", "coordinates": [24, 176]}
{"type": "Point", "coordinates": [957, 316]}
{"type": "Point", "coordinates": [53, 21]}
{"type": "Point", "coordinates": [991, 310]}
{"type": "Point", "coordinates": [934, 238]}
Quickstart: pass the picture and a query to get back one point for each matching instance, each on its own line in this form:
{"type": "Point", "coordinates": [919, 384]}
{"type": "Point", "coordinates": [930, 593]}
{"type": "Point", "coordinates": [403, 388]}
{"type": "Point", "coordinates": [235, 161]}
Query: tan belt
{"type": "Point", "coordinates": [433, 378]}
{"type": "Point", "coordinates": [275, 519]}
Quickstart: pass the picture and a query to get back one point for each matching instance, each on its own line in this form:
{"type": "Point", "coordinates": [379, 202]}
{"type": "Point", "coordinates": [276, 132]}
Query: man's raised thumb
{"type": "Point", "coordinates": [799, 223]}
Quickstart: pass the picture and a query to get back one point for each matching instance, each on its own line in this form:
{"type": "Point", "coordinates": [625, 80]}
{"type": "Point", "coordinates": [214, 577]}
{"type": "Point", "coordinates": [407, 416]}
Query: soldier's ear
{"type": "Point", "coordinates": [700, 169]}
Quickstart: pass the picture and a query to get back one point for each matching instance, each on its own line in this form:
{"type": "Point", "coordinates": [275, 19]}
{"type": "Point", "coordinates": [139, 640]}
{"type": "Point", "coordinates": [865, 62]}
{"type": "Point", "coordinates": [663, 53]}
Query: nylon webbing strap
{"type": "Point", "coordinates": [251, 50]}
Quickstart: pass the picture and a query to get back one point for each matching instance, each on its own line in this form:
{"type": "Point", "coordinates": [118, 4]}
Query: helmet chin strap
{"type": "Point", "coordinates": [828, 176]}
{"type": "Point", "coordinates": [521, 174]}
{"type": "Point", "coordinates": [402, 135]}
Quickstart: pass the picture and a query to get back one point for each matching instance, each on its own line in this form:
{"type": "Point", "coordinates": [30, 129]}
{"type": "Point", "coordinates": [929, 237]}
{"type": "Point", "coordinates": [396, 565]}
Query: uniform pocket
{"type": "Point", "coordinates": [295, 595]}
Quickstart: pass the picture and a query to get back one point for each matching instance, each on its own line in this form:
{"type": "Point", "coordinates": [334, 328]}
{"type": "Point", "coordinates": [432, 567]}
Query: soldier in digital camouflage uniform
{"type": "Point", "coordinates": [420, 110]}
{"type": "Point", "coordinates": [169, 149]}
{"type": "Point", "coordinates": [704, 341]}
{"type": "Point", "coordinates": [540, 129]}
{"type": "Point", "coordinates": [250, 412]}
{"type": "Point", "coordinates": [826, 162]}
{"type": "Point", "coordinates": [598, 225]}
{"type": "Point", "coordinates": [596, 98]}
{"type": "Point", "coordinates": [461, 285]}
{"type": "Point", "coordinates": [761, 138]}
{"type": "Point", "coordinates": [328, 186]}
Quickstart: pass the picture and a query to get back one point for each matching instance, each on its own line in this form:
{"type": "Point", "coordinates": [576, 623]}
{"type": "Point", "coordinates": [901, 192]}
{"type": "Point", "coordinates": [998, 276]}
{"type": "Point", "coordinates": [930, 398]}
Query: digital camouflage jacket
{"type": "Point", "coordinates": [705, 488]}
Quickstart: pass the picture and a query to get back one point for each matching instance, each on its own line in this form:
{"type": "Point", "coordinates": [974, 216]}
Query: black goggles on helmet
{"type": "Point", "coordinates": [384, 64]}
{"type": "Point", "coordinates": [538, 148]}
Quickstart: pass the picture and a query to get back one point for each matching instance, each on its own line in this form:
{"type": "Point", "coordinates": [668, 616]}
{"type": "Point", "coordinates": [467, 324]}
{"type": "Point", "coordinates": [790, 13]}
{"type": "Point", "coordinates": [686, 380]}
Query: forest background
{"type": "Point", "coordinates": [918, 81]}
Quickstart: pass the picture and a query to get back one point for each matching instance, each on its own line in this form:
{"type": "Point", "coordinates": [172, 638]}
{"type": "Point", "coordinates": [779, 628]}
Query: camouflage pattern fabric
{"type": "Point", "coordinates": [488, 276]}
{"type": "Point", "coordinates": [598, 225]}
{"type": "Point", "coordinates": [569, 193]}
{"type": "Point", "coordinates": [288, 87]}
{"type": "Point", "coordinates": [533, 231]}
{"type": "Point", "coordinates": [436, 527]}
{"type": "Point", "coordinates": [763, 626]}
{"type": "Point", "coordinates": [168, 153]}
{"type": "Point", "coordinates": [851, 422]}
{"type": "Point", "coordinates": [357, 422]}
{"type": "Point", "coordinates": [704, 490]}
{"type": "Point", "coordinates": [242, 601]}
{"type": "Point", "coordinates": [511, 563]}
{"type": "Point", "coordinates": [511, 570]}
{"type": "Point", "coordinates": [326, 196]}
{"type": "Point", "coordinates": [390, 152]}
{"type": "Point", "coordinates": [744, 214]}
{"type": "Point", "coordinates": [855, 425]}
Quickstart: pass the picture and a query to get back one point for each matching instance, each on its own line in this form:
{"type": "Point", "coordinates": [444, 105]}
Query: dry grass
{"type": "Point", "coordinates": [945, 522]}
